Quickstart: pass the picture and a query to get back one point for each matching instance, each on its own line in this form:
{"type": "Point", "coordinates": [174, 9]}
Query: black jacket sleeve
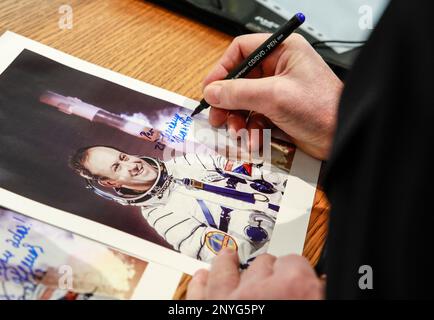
{"type": "Point", "coordinates": [381, 173]}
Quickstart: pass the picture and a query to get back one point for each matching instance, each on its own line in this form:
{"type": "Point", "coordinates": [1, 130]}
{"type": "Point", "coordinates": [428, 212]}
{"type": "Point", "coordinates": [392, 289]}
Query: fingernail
{"type": "Point", "coordinates": [226, 251]}
{"type": "Point", "coordinates": [212, 94]}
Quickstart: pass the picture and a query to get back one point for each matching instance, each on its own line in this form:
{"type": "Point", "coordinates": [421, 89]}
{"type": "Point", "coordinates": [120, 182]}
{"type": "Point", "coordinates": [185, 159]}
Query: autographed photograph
{"type": "Point", "coordinates": [93, 148]}
{"type": "Point", "coordinates": [42, 262]}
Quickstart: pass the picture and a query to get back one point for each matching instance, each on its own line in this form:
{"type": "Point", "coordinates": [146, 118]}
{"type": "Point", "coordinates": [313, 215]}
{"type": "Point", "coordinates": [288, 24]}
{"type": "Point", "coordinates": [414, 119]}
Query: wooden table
{"type": "Point", "coordinates": [142, 41]}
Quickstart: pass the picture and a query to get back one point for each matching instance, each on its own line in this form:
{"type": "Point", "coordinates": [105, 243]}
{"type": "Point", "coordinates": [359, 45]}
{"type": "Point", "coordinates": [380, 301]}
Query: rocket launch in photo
{"type": "Point", "coordinates": [74, 106]}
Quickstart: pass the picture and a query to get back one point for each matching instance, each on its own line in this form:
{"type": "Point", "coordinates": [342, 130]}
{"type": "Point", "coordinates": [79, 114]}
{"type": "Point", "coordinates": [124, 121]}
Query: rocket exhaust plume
{"type": "Point", "coordinates": [75, 106]}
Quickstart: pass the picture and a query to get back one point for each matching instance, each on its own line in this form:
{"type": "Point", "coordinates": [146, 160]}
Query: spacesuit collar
{"type": "Point", "coordinates": [157, 190]}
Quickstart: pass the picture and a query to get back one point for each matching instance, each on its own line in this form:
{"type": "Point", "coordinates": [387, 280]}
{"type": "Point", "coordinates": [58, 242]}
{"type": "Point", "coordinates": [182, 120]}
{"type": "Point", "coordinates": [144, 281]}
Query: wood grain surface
{"type": "Point", "coordinates": [143, 41]}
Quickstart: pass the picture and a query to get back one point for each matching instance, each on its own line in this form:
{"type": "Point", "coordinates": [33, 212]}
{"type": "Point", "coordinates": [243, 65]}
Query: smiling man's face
{"type": "Point", "coordinates": [120, 169]}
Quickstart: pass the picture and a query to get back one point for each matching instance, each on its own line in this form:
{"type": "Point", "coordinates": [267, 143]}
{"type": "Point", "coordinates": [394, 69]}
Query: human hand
{"type": "Point", "coordinates": [267, 278]}
{"type": "Point", "coordinates": [293, 87]}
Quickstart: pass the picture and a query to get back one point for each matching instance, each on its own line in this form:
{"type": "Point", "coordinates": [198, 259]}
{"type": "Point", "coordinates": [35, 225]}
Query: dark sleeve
{"type": "Point", "coordinates": [381, 173]}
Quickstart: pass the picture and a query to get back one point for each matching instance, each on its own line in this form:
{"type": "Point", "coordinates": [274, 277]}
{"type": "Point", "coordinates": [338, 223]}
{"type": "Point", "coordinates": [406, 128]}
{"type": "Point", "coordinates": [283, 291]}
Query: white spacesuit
{"type": "Point", "coordinates": [201, 204]}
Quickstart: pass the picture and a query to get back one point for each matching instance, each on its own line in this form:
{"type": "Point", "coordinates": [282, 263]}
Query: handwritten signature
{"type": "Point", "coordinates": [21, 273]}
{"type": "Point", "coordinates": [177, 129]}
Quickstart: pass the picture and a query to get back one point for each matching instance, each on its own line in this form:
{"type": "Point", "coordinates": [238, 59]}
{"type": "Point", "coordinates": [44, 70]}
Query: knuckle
{"type": "Point", "coordinates": [241, 38]}
{"type": "Point", "coordinates": [238, 40]}
{"type": "Point", "coordinates": [298, 268]}
{"type": "Point", "coordinates": [264, 258]}
{"type": "Point", "coordinates": [297, 274]}
{"type": "Point", "coordinates": [229, 92]}
{"type": "Point", "coordinates": [294, 279]}
{"type": "Point", "coordinates": [298, 42]}
{"type": "Point", "coordinates": [297, 38]}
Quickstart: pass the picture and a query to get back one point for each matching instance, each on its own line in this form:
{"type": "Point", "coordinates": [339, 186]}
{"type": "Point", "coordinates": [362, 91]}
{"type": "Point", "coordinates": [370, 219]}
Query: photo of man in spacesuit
{"type": "Point", "coordinates": [199, 204]}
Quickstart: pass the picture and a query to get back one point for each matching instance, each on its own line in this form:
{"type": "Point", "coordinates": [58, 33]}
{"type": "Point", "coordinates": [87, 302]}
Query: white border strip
{"type": "Point", "coordinates": [157, 283]}
{"type": "Point", "coordinates": [296, 206]}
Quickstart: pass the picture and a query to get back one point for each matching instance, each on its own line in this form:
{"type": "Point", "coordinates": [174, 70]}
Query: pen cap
{"type": "Point", "coordinates": [301, 17]}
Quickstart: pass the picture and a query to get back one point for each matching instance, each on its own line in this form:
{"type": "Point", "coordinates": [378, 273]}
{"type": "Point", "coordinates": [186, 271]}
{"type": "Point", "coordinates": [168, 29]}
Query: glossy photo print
{"type": "Point", "coordinates": [98, 152]}
{"type": "Point", "coordinates": [42, 262]}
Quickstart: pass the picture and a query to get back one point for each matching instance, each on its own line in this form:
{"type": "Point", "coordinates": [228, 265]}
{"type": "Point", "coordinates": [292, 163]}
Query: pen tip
{"type": "Point", "coordinates": [202, 106]}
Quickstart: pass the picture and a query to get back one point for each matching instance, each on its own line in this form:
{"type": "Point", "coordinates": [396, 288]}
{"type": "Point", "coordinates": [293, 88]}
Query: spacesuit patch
{"type": "Point", "coordinates": [245, 169]}
{"type": "Point", "coordinates": [217, 240]}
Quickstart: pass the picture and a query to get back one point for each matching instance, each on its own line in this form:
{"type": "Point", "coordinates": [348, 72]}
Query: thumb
{"type": "Point", "coordinates": [241, 94]}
